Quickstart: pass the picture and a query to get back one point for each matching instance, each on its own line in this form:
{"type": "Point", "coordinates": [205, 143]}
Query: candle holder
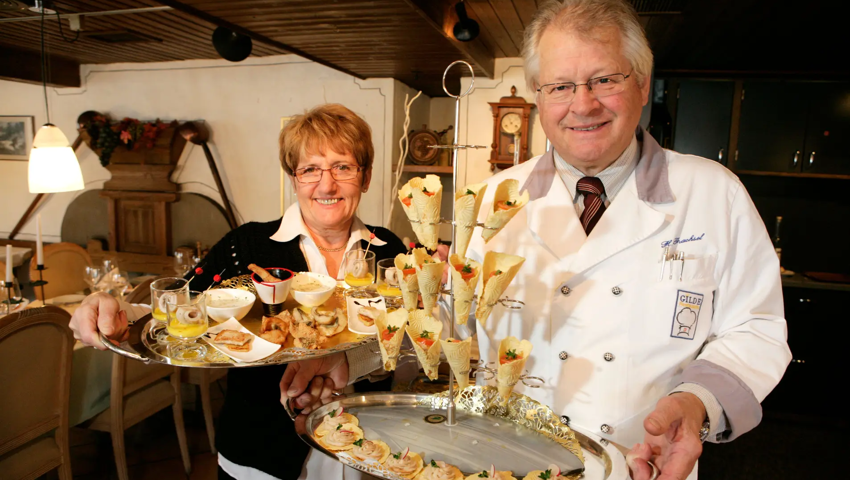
{"type": "Point", "coordinates": [41, 282]}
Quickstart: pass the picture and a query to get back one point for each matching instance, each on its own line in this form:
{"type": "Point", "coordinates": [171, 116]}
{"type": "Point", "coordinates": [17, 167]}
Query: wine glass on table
{"type": "Point", "coordinates": [359, 269]}
{"type": "Point", "coordinates": [93, 276]}
{"type": "Point", "coordinates": [187, 320]}
{"type": "Point", "coordinates": [183, 262]}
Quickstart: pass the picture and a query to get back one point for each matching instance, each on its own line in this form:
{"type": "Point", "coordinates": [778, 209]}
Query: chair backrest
{"type": "Point", "coordinates": [36, 347]}
{"type": "Point", "coordinates": [141, 294]}
{"type": "Point", "coordinates": [63, 271]}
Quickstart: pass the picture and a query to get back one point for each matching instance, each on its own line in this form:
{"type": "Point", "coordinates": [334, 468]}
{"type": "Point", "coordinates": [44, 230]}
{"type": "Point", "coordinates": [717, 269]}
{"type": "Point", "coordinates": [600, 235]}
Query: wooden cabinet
{"type": "Point", "coordinates": [794, 128]}
{"type": "Point", "coordinates": [704, 118]}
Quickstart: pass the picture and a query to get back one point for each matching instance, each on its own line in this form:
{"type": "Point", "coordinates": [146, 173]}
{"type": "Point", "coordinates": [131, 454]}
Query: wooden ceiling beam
{"type": "Point", "coordinates": [440, 15]}
{"type": "Point", "coordinates": [190, 10]}
{"type": "Point", "coordinates": [25, 66]}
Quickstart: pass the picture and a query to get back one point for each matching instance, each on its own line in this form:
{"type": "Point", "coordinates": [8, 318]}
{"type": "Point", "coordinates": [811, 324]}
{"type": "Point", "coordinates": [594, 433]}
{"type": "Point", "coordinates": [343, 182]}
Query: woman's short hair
{"type": "Point", "coordinates": [587, 19]}
{"type": "Point", "coordinates": [330, 126]}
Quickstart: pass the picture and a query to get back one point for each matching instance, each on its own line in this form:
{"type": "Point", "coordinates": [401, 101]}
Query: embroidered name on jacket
{"type": "Point", "coordinates": [686, 314]}
{"type": "Point", "coordinates": [678, 240]}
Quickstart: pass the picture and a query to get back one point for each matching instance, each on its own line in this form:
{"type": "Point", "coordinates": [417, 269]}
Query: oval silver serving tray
{"type": "Point", "coordinates": [520, 436]}
{"type": "Point", "coordinates": [143, 345]}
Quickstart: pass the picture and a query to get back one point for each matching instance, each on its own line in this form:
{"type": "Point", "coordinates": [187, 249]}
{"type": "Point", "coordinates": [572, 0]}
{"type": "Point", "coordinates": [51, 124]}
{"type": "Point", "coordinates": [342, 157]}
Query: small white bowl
{"type": "Point", "coordinates": [273, 293]}
{"type": "Point", "coordinates": [238, 301]}
{"type": "Point", "coordinates": [314, 298]}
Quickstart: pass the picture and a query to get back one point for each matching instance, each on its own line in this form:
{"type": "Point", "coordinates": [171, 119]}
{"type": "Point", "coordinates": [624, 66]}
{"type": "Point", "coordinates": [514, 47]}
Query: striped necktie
{"type": "Point", "coordinates": [592, 189]}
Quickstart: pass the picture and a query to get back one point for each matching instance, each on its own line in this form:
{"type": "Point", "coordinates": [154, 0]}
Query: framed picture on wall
{"type": "Point", "coordinates": [16, 134]}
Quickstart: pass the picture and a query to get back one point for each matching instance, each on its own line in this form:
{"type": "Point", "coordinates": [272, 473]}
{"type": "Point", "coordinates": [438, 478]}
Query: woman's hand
{"type": "Point", "coordinates": [309, 382]}
{"type": "Point", "coordinates": [99, 313]}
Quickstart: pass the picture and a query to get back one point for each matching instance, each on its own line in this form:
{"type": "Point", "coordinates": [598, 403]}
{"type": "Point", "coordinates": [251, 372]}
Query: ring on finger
{"type": "Point", "coordinates": [654, 470]}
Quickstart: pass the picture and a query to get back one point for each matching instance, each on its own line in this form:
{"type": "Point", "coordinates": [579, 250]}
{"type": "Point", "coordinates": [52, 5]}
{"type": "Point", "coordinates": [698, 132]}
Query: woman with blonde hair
{"type": "Point", "coordinates": [327, 154]}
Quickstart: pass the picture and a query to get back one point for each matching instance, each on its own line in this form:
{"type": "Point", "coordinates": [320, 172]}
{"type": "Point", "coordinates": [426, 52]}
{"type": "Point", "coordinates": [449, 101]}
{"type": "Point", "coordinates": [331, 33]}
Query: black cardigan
{"type": "Point", "coordinates": [253, 428]}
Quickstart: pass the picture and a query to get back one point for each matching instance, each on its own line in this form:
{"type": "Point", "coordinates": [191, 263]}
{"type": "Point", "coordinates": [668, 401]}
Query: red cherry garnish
{"type": "Point", "coordinates": [199, 271]}
{"type": "Point", "coordinates": [412, 245]}
{"type": "Point", "coordinates": [371, 236]}
{"type": "Point", "coordinates": [216, 278]}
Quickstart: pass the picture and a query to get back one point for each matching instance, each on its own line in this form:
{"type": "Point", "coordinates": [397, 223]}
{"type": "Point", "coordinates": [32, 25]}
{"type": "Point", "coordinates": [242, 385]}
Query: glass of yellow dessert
{"type": "Point", "coordinates": [359, 268]}
{"type": "Point", "coordinates": [186, 312]}
{"type": "Point", "coordinates": [163, 289]}
{"type": "Point", "coordinates": [388, 286]}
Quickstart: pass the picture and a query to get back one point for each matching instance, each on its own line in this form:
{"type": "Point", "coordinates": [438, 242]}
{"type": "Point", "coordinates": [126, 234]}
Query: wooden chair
{"type": "Point", "coordinates": [64, 264]}
{"type": "Point", "coordinates": [139, 391]}
{"type": "Point", "coordinates": [202, 377]}
{"type": "Point", "coordinates": [36, 347]}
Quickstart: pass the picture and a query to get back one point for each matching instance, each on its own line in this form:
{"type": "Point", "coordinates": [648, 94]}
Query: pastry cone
{"type": "Point", "coordinates": [509, 373]}
{"type": "Point", "coordinates": [409, 282]}
{"type": "Point", "coordinates": [390, 348]}
{"type": "Point", "coordinates": [405, 195]}
{"type": "Point", "coordinates": [419, 322]}
{"type": "Point", "coordinates": [427, 207]}
{"type": "Point", "coordinates": [430, 273]}
{"type": "Point", "coordinates": [467, 206]}
{"type": "Point", "coordinates": [457, 354]}
{"type": "Point", "coordinates": [463, 290]}
{"type": "Point", "coordinates": [495, 284]}
{"type": "Point", "coordinates": [501, 212]}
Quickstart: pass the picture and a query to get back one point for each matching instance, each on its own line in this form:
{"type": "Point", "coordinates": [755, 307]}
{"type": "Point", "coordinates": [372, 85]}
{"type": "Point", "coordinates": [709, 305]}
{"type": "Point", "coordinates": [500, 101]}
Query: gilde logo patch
{"type": "Point", "coordinates": [686, 314]}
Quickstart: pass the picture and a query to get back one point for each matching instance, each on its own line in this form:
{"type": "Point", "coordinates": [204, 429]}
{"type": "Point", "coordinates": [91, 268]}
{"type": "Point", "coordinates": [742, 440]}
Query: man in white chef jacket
{"type": "Point", "coordinates": [633, 349]}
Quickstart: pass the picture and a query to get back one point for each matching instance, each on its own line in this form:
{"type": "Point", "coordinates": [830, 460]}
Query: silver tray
{"type": "Point", "coordinates": [142, 345]}
{"type": "Point", "coordinates": [521, 435]}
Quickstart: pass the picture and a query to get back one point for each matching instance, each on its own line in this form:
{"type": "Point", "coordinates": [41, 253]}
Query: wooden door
{"type": "Point", "coordinates": [828, 130]}
{"type": "Point", "coordinates": [703, 118]}
{"type": "Point", "coordinates": [773, 126]}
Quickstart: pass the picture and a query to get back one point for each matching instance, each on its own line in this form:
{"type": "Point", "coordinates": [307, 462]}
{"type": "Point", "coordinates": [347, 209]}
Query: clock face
{"type": "Point", "coordinates": [511, 123]}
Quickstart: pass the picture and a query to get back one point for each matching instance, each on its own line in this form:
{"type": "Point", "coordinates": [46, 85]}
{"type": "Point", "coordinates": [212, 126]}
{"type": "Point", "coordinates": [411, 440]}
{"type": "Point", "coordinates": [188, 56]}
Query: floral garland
{"type": "Point", "coordinates": [133, 134]}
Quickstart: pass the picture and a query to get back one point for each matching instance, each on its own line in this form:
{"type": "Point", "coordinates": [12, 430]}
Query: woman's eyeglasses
{"type": "Point", "coordinates": [341, 173]}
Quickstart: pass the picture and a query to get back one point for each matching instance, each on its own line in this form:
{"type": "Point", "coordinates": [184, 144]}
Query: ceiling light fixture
{"type": "Point", "coordinates": [466, 29]}
{"type": "Point", "coordinates": [53, 166]}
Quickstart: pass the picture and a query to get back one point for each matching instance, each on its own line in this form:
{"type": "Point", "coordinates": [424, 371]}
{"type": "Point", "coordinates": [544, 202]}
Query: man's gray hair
{"type": "Point", "coordinates": [587, 19]}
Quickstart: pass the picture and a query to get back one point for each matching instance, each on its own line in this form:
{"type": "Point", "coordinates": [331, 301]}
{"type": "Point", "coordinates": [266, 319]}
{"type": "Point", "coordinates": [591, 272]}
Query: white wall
{"type": "Point", "coordinates": [242, 105]}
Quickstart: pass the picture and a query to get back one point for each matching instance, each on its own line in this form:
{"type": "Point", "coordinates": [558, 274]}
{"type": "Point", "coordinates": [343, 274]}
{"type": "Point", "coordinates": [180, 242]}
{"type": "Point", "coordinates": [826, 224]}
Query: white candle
{"type": "Point", "coordinates": [8, 264]}
{"type": "Point", "coordinates": [39, 247]}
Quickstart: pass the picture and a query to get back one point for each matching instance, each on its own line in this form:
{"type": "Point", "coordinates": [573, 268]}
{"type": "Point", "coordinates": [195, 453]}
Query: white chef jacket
{"type": "Point", "coordinates": [610, 335]}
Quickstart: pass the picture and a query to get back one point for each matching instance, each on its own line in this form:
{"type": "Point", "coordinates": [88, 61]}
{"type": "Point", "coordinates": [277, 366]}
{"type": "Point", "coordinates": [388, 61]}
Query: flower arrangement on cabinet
{"type": "Point", "coordinates": [130, 133]}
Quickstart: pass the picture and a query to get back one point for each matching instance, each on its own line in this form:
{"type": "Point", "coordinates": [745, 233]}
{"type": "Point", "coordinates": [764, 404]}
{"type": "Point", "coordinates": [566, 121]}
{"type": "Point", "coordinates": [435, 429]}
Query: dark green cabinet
{"type": "Point", "coordinates": [795, 127]}
{"type": "Point", "coordinates": [772, 130]}
{"type": "Point", "coordinates": [704, 118]}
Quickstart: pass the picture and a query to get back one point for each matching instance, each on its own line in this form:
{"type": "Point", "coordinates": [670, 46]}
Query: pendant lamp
{"type": "Point", "coordinates": [53, 165]}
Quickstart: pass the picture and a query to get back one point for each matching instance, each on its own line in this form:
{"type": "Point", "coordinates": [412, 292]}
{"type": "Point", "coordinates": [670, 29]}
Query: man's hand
{"type": "Point", "coordinates": [99, 314]}
{"type": "Point", "coordinates": [309, 382]}
{"type": "Point", "coordinates": [672, 438]}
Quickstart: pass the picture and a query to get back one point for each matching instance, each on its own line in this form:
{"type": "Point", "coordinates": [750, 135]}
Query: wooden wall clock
{"type": "Point", "coordinates": [510, 118]}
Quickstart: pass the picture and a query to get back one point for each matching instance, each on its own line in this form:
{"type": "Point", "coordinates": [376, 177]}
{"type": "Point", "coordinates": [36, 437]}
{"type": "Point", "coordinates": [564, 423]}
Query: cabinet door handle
{"type": "Point", "coordinates": [796, 158]}
{"type": "Point", "coordinates": [720, 155]}
{"type": "Point", "coordinates": [811, 159]}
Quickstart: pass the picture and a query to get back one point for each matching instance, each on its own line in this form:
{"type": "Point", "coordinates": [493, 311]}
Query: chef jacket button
{"type": "Point", "coordinates": [565, 290]}
{"type": "Point", "coordinates": [616, 291]}
{"type": "Point", "coordinates": [565, 419]}
{"type": "Point", "coordinates": [609, 357]}
{"type": "Point", "coordinates": [563, 355]}
{"type": "Point", "coordinates": [606, 428]}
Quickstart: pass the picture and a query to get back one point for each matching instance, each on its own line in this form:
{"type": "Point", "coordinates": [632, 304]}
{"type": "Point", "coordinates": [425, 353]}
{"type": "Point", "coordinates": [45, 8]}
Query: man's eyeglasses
{"type": "Point", "coordinates": [340, 172]}
{"type": "Point", "coordinates": [600, 87]}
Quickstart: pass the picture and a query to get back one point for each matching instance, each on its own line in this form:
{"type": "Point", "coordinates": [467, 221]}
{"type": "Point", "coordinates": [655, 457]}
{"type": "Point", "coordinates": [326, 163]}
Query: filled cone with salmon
{"type": "Point", "coordinates": [427, 194]}
{"type": "Point", "coordinates": [408, 280]}
{"type": "Point", "coordinates": [457, 354]}
{"type": "Point", "coordinates": [498, 271]}
{"type": "Point", "coordinates": [507, 202]}
{"type": "Point", "coordinates": [405, 196]}
{"type": "Point", "coordinates": [513, 353]}
{"type": "Point", "coordinates": [391, 327]}
{"type": "Point", "coordinates": [467, 205]}
{"type": "Point", "coordinates": [465, 274]}
{"type": "Point", "coordinates": [424, 330]}
{"type": "Point", "coordinates": [430, 273]}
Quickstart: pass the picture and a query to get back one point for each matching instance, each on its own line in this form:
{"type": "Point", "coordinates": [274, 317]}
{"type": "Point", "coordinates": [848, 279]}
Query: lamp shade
{"type": "Point", "coordinates": [53, 166]}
